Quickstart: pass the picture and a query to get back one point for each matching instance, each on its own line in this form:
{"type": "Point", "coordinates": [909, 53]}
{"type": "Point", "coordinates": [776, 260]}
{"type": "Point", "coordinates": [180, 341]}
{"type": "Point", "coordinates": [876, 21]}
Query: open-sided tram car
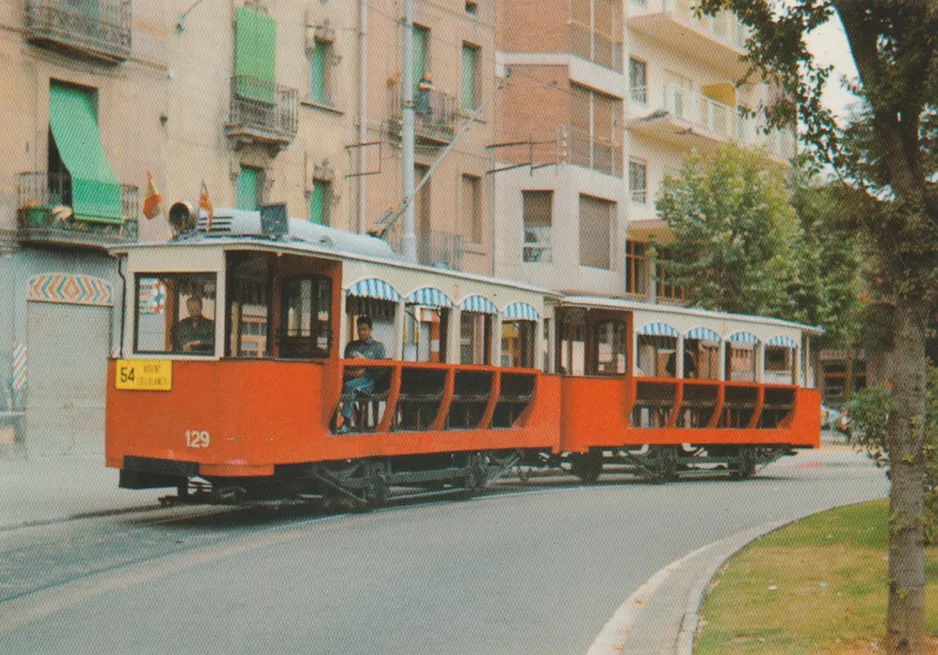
{"type": "Point", "coordinates": [482, 375]}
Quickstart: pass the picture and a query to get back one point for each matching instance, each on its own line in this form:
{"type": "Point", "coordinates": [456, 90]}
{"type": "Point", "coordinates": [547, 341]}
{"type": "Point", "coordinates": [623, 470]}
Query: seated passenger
{"type": "Point", "coordinates": [360, 381]}
{"type": "Point", "coordinates": [195, 333]}
{"type": "Point", "coordinates": [690, 366]}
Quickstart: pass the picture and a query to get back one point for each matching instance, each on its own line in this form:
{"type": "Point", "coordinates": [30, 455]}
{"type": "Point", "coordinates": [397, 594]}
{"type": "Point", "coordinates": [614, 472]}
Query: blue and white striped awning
{"type": "Point", "coordinates": [744, 338]}
{"type": "Point", "coordinates": [372, 287]}
{"type": "Point", "coordinates": [428, 297]}
{"type": "Point", "coordinates": [782, 341]}
{"type": "Point", "coordinates": [658, 330]}
{"type": "Point", "coordinates": [521, 311]}
{"type": "Point", "coordinates": [478, 303]}
{"type": "Point", "coordinates": [703, 334]}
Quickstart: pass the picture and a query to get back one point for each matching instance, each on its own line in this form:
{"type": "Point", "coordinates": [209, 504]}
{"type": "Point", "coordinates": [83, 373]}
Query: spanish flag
{"type": "Point", "coordinates": [153, 202]}
{"type": "Point", "coordinates": [206, 204]}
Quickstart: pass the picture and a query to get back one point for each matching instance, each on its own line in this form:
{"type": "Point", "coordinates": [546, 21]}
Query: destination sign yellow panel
{"type": "Point", "coordinates": [144, 374]}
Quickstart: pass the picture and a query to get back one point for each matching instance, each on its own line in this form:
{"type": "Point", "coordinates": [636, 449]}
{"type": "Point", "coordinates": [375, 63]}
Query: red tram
{"type": "Point", "coordinates": [483, 375]}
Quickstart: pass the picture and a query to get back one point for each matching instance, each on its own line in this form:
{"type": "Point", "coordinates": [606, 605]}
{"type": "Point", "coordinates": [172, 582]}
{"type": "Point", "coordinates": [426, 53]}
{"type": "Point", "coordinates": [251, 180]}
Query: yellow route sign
{"type": "Point", "coordinates": [144, 374]}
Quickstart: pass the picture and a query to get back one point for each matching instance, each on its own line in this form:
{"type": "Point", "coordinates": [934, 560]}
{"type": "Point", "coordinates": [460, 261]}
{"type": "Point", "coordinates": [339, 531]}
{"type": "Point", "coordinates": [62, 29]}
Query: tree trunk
{"type": "Point", "coordinates": [906, 374]}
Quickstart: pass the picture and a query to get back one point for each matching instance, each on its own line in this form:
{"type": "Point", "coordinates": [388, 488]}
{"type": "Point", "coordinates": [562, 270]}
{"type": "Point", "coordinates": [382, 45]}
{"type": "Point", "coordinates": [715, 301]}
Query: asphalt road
{"type": "Point", "coordinates": [539, 571]}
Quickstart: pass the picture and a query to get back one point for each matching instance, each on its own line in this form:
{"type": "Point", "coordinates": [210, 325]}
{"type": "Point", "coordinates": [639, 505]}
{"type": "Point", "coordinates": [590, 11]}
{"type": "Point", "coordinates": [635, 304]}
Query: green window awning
{"type": "Point", "coordinates": [255, 55]}
{"type": "Point", "coordinates": [247, 188]}
{"type": "Point", "coordinates": [96, 193]}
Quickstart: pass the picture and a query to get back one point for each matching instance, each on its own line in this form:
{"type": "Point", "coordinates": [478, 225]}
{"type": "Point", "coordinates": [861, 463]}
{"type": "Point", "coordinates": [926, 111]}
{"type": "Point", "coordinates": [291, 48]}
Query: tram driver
{"type": "Point", "coordinates": [360, 381]}
{"type": "Point", "coordinates": [195, 333]}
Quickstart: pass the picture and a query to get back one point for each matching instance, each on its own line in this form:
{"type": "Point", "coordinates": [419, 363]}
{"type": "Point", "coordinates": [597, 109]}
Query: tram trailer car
{"type": "Point", "coordinates": [230, 381]}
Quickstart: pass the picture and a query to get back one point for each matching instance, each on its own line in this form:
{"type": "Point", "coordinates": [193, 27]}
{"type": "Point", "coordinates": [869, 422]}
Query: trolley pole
{"type": "Point", "coordinates": [409, 238]}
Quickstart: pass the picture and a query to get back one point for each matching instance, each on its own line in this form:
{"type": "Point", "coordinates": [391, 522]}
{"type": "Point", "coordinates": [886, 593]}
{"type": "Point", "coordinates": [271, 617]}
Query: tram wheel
{"type": "Point", "coordinates": [375, 490]}
{"type": "Point", "coordinates": [587, 466]}
{"type": "Point", "coordinates": [664, 463]}
{"type": "Point", "coordinates": [745, 467]}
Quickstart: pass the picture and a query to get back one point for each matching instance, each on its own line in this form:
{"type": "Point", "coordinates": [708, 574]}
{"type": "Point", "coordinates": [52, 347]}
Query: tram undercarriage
{"type": "Point", "coordinates": [372, 482]}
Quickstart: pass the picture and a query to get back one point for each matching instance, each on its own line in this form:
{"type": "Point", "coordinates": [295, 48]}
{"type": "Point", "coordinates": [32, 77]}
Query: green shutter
{"type": "Point", "coordinates": [420, 54]}
{"type": "Point", "coordinates": [468, 77]}
{"type": "Point", "coordinates": [247, 189]}
{"type": "Point", "coordinates": [317, 65]}
{"type": "Point", "coordinates": [255, 55]}
{"type": "Point", "coordinates": [317, 203]}
{"type": "Point", "coordinates": [96, 194]}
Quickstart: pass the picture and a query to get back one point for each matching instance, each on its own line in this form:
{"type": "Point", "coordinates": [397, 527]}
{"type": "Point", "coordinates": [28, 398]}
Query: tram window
{"type": "Point", "coordinates": [740, 363]}
{"type": "Point", "coordinates": [518, 343]}
{"type": "Point", "coordinates": [610, 348]}
{"type": "Point", "coordinates": [573, 346]}
{"type": "Point", "coordinates": [653, 354]}
{"type": "Point", "coordinates": [707, 357]}
{"type": "Point", "coordinates": [175, 313]}
{"type": "Point", "coordinates": [425, 334]}
{"type": "Point", "coordinates": [475, 338]}
{"type": "Point", "coordinates": [307, 324]}
{"type": "Point", "coordinates": [248, 296]}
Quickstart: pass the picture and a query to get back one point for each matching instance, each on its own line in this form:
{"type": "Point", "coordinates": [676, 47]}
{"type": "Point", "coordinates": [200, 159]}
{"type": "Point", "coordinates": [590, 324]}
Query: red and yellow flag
{"type": "Point", "coordinates": [206, 204]}
{"type": "Point", "coordinates": [153, 202]}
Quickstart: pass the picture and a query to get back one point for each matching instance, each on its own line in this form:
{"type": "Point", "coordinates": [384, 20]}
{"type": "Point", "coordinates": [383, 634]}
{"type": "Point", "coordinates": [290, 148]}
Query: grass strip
{"type": "Point", "coordinates": [816, 586]}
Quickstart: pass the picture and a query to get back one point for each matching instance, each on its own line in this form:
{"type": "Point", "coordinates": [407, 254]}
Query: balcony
{"type": "Point", "coordinates": [45, 216]}
{"type": "Point", "coordinates": [263, 113]}
{"type": "Point", "coordinates": [97, 29]}
{"type": "Point", "coordinates": [437, 249]}
{"type": "Point", "coordinates": [719, 41]}
{"type": "Point", "coordinates": [595, 46]}
{"type": "Point", "coordinates": [596, 154]}
{"type": "Point", "coordinates": [687, 119]}
{"type": "Point", "coordinates": [436, 115]}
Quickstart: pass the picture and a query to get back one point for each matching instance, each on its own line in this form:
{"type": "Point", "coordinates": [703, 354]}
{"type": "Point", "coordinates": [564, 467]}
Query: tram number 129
{"type": "Point", "coordinates": [197, 439]}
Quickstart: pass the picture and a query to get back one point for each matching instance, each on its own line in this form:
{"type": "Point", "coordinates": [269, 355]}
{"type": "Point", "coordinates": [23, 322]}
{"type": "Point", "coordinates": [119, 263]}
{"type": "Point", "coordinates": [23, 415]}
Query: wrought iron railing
{"type": "Point", "coordinates": [435, 114]}
{"type": "Point", "coordinates": [596, 154]}
{"type": "Point", "coordinates": [265, 108]}
{"type": "Point", "coordinates": [594, 46]}
{"type": "Point", "coordinates": [98, 28]}
{"type": "Point", "coordinates": [45, 213]}
{"type": "Point", "coordinates": [438, 249]}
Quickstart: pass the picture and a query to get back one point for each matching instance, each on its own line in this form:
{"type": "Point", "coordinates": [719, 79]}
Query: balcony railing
{"type": "Point", "coordinates": [724, 27]}
{"type": "Point", "coordinates": [95, 28]}
{"type": "Point", "coordinates": [596, 154]}
{"type": "Point", "coordinates": [44, 201]}
{"type": "Point", "coordinates": [262, 112]}
{"type": "Point", "coordinates": [438, 249]}
{"type": "Point", "coordinates": [435, 114]}
{"type": "Point", "coordinates": [594, 46]}
{"type": "Point", "coordinates": [779, 144]}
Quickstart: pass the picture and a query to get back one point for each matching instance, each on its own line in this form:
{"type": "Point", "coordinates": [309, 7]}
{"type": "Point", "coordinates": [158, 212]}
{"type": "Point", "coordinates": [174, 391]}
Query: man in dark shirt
{"type": "Point", "coordinates": [195, 333]}
{"type": "Point", "coordinates": [360, 381]}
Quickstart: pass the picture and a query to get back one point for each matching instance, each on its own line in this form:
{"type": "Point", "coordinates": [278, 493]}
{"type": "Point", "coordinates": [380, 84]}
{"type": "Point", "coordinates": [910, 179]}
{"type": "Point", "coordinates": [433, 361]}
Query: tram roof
{"type": "Point", "coordinates": [306, 248]}
{"type": "Point", "coordinates": [600, 302]}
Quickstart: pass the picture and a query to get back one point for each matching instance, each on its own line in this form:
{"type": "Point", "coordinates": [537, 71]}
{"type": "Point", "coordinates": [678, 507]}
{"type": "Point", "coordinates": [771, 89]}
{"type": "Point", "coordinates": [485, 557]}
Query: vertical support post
{"type": "Point", "coordinates": [721, 366]}
{"type": "Point", "coordinates": [758, 354]}
{"type": "Point", "coordinates": [796, 366]}
{"type": "Point", "coordinates": [343, 322]}
{"type": "Point", "coordinates": [400, 314]}
{"type": "Point", "coordinates": [409, 238]}
{"type": "Point", "coordinates": [679, 358]}
{"type": "Point", "coordinates": [452, 335]}
{"type": "Point", "coordinates": [496, 340]}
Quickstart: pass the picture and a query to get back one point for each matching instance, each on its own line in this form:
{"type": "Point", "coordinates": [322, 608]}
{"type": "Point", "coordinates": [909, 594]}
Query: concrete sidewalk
{"type": "Point", "coordinates": [41, 490]}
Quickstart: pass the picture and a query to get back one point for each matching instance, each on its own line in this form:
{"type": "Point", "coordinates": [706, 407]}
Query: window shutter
{"type": "Point", "coordinates": [255, 55]}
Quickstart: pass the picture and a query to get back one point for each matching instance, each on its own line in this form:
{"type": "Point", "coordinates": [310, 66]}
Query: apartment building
{"type": "Point", "coordinates": [621, 91]}
{"type": "Point", "coordinates": [262, 101]}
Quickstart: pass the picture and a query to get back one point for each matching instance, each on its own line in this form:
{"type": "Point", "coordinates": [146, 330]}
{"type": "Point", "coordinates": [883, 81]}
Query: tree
{"type": "Point", "coordinates": [735, 233]}
{"type": "Point", "coordinates": [888, 156]}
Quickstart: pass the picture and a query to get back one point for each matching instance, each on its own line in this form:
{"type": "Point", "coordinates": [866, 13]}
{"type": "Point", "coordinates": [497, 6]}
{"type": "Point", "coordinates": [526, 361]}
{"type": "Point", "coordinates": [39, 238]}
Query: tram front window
{"type": "Point", "coordinates": [248, 297]}
{"type": "Point", "coordinates": [307, 317]}
{"type": "Point", "coordinates": [610, 348]}
{"type": "Point", "coordinates": [175, 313]}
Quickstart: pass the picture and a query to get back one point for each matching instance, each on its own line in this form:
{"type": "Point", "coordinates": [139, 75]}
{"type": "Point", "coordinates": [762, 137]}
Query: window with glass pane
{"type": "Point", "coordinates": [248, 297]}
{"type": "Point", "coordinates": [638, 81]}
{"type": "Point", "coordinates": [306, 317]}
{"type": "Point", "coordinates": [667, 290]}
{"type": "Point", "coordinates": [635, 272]}
{"type": "Point", "coordinates": [537, 211]}
{"type": "Point", "coordinates": [472, 207]}
{"type": "Point", "coordinates": [638, 181]}
{"type": "Point", "coordinates": [175, 313]}
{"type": "Point", "coordinates": [572, 354]}
{"type": "Point", "coordinates": [474, 338]}
{"type": "Point", "coordinates": [596, 227]}
{"type": "Point", "coordinates": [609, 339]}
{"type": "Point", "coordinates": [470, 76]}
{"type": "Point", "coordinates": [518, 343]}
